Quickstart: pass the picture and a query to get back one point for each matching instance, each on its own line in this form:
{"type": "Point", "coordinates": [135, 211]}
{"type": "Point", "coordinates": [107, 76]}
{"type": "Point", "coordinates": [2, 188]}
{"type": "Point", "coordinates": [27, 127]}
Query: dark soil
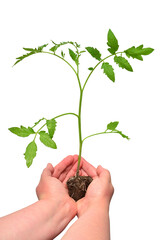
{"type": "Point", "coordinates": [77, 186]}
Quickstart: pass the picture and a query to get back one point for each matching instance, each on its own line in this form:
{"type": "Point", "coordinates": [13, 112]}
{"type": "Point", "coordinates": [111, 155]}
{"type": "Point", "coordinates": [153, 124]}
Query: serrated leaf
{"type": "Point", "coordinates": [40, 48]}
{"type": "Point", "coordinates": [123, 135]}
{"type": "Point", "coordinates": [112, 125]}
{"type": "Point", "coordinates": [112, 42]}
{"type": "Point", "coordinates": [23, 56]}
{"type": "Point", "coordinates": [73, 56]}
{"type": "Point", "coordinates": [94, 52]}
{"type": "Point", "coordinates": [112, 51]}
{"type": "Point", "coordinates": [51, 125]}
{"type": "Point", "coordinates": [30, 153]}
{"type": "Point", "coordinates": [123, 63]}
{"type": "Point", "coordinates": [31, 52]}
{"type": "Point", "coordinates": [46, 140]}
{"type": "Point", "coordinates": [22, 131]}
{"type": "Point", "coordinates": [138, 52]}
{"type": "Point", "coordinates": [57, 45]}
{"type": "Point", "coordinates": [53, 49]}
{"type": "Point", "coordinates": [108, 70]}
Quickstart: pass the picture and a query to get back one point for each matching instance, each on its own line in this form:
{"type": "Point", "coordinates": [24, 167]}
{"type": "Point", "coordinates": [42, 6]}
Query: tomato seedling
{"type": "Point", "coordinates": [46, 137]}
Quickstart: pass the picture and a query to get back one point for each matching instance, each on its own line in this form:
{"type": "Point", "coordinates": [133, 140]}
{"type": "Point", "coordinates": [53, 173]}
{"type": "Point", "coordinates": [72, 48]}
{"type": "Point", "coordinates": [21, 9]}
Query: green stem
{"type": "Point", "coordinates": [39, 131]}
{"type": "Point", "coordinates": [67, 63]}
{"type": "Point", "coordinates": [95, 134]}
{"type": "Point", "coordinates": [96, 67]}
{"type": "Point", "coordinates": [66, 114]}
{"type": "Point", "coordinates": [80, 133]}
{"type": "Point", "coordinates": [79, 114]}
{"type": "Point", "coordinates": [54, 118]}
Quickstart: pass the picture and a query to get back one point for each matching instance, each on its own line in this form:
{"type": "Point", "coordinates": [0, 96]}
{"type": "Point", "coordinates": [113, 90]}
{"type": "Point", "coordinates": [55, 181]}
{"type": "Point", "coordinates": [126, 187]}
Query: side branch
{"type": "Point", "coordinates": [76, 73]}
{"type": "Point", "coordinates": [97, 66]}
{"type": "Point", "coordinates": [95, 134]}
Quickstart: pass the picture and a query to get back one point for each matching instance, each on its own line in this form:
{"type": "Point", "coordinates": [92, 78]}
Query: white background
{"type": "Point", "coordinates": [43, 86]}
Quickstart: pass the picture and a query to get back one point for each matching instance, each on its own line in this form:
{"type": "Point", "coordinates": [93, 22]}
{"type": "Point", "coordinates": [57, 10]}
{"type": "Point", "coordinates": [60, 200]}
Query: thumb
{"type": "Point", "coordinates": [48, 171]}
{"type": "Point", "coordinates": [103, 173]}
{"type": "Point", "coordinates": [99, 170]}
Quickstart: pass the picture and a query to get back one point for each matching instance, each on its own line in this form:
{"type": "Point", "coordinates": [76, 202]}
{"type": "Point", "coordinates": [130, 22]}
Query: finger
{"type": "Point", "coordinates": [48, 171]}
{"type": "Point", "coordinates": [71, 173]}
{"type": "Point", "coordinates": [86, 169]}
{"type": "Point", "coordinates": [86, 166]}
{"type": "Point", "coordinates": [83, 173]}
{"type": "Point", "coordinates": [64, 173]}
{"type": "Point", "coordinates": [60, 167]}
{"type": "Point", "coordinates": [103, 173]}
{"type": "Point", "coordinates": [89, 169]}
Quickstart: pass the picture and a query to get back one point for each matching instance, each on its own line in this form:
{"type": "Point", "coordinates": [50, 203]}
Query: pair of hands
{"type": "Point", "coordinates": [52, 185]}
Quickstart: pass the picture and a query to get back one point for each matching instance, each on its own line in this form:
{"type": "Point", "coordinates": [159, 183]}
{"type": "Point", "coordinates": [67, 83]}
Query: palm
{"type": "Point", "coordinates": [67, 168]}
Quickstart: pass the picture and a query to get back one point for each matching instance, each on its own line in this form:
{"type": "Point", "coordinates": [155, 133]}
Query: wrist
{"type": "Point", "coordinates": [58, 215]}
{"type": "Point", "coordinates": [101, 204]}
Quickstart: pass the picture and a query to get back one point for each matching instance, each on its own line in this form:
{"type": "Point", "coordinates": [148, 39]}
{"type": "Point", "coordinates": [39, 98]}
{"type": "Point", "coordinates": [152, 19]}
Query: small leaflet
{"type": "Point", "coordinates": [112, 42]}
{"type": "Point", "coordinates": [51, 125]}
{"type": "Point", "coordinates": [94, 52]}
{"type": "Point", "coordinates": [46, 140]}
{"type": "Point", "coordinates": [123, 63]}
{"type": "Point", "coordinates": [108, 70]}
{"type": "Point", "coordinates": [30, 153]}
{"type": "Point", "coordinates": [73, 56]}
{"type": "Point", "coordinates": [112, 125]}
{"type": "Point", "coordinates": [138, 52]}
{"type": "Point", "coordinates": [22, 131]}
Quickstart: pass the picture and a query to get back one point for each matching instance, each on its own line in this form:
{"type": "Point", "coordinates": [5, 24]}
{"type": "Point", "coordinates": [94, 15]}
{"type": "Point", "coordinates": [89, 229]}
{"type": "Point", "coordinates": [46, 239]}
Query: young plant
{"type": "Point", "coordinates": [46, 137]}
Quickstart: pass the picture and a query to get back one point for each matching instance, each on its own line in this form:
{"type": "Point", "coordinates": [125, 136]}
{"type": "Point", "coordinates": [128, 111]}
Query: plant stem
{"type": "Point", "coordinates": [54, 118]}
{"type": "Point", "coordinates": [96, 67]}
{"type": "Point", "coordinates": [66, 114]}
{"type": "Point", "coordinates": [67, 63]}
{"type": "Point", "coordinates": [95, 135]}
{"type": "Point", "coordinates": [79, 113]}
{"type": "Point", "coordinates": [80, 132]}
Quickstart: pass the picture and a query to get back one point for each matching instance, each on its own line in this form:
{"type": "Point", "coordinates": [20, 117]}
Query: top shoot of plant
{"type": "Point", "coordinates": [75, 52]}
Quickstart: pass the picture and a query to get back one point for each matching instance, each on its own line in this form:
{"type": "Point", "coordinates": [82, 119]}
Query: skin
{"type": "Point", "coordinates": [93, 221]}
{"type": "Point", "coordinates": [45, 219]}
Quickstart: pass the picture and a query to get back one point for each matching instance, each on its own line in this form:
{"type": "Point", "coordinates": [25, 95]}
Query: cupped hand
{"type": "Point", "coordinates": [100, 189]}
{"type": "Point", "coordinates": [99, 192]}
{"type": "Point", "coordinates": [68, 166]}
{"type": "Point", "coordinates": [52, 189]}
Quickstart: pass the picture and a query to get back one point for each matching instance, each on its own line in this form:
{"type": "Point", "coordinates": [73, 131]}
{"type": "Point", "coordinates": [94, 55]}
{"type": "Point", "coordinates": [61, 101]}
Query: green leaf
{"type": "Point", "coordinates": [112, 42]}
{"type": "Point", "coordinates": [22, 131]}
{"type": "Point", "coordinates": [46, 140]}
{"type": "Point", "coordinates": [91, 68]}
{"type": "Point", "coordinates": [108, 70]}
{"type": "Point", "coordinates": [123, 135]}
{"type": "Point", "coordinates": [138, 52]}
{"type": "Point", "coordinates": [31, 52]}
{"type": "Point", "coordinates": [30, 153]}
{"type": "Point", "coordinates": [54, 48]}
{"type": "Point", "coordinates": [73, 56]}
{"type": "Point", "coordinates": [62, 54]}
{"type": "Point", "coordinates": [112, 125]}
{"type": "Point", "coordinates": [29, 49]}
{"type": "Point", "coordinates": [40, 48]}
{"type": "Point", "coordinates": [123, 63]}
{"type": "Point", "coordinates": [94, 52]}
{"type": "Point", "coordinates": [51, 125]}
{"type": "Point", "coordinates": [23, 56]}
